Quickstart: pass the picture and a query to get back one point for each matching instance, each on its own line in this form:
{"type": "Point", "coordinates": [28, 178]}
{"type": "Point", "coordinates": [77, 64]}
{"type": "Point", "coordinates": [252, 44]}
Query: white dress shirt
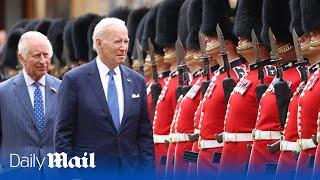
{"type": "Point", "coordinates": [31, 87]}
{"type": "Point", "coordinates": [103, 71]}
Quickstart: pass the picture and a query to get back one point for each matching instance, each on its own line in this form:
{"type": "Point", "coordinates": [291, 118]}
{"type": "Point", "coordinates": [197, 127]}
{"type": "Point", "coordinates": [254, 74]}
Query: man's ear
{"type": "Point", "coordinates": [98, 43]}
{"type": "Point", "coordinates": [21, 59]}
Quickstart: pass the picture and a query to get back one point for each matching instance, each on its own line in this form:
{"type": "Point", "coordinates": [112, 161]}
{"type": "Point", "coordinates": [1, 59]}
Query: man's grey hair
{"type": "Point", "coordinates": [23, 46]}
{"type": "Point", "coordinates": [100, 29]}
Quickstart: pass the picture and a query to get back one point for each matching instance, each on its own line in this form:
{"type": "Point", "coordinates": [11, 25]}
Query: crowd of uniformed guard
{"type": "Point", "coordinates": [232, 91]}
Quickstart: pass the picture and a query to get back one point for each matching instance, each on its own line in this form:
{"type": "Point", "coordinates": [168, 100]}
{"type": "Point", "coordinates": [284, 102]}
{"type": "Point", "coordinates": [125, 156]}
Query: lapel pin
{"type": "Point", "coordinates": [53, 89]}
{"type": "Point", "coordinates": [128, 80]}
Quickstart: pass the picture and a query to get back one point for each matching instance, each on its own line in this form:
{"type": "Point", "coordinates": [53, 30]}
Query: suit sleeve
{"type": "Point", "coordinates": [144, 136]}
{"type": "Point", "coordinates": [67, 115]}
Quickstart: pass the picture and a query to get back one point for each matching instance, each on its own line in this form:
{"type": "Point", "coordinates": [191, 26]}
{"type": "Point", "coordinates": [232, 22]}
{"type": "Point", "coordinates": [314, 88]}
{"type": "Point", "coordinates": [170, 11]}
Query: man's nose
{"type": "Point", "coordinates": [124, 46]}
{"type": "Point", "coordinates": [42, 58]}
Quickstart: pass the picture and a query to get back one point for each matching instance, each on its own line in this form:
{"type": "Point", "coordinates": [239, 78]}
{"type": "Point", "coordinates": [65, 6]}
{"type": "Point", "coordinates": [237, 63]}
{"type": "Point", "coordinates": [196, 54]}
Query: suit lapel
{"type": "Point", "coordinates": [50, 91]}
{"type": "Point", "coordinates": [127, 93]}
{"type": "Point", "coordinates": [96, 85]}
{"type": "Point", "coordinates": [21, 91]}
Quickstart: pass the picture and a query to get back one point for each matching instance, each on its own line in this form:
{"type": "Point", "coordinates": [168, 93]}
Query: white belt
{"type": "Point", "coordinates": [205, 144]}
{"type": "Point", "coordinates": [160, 138]}
{"type": "Point", "coordinates": [181, 137]}
{"type": "Point", "coordinates": [266, 135]}
{"type": "Point", "coordinates": [178, 137]}
{"type": "Point", "coordinates": [305, 144]}
{"type": "Point", "coordinates": [172, 137]}
{"type": "Point", "coordinates": [289, 146]}
{"type": "Point", "coordinates": [237, 137]}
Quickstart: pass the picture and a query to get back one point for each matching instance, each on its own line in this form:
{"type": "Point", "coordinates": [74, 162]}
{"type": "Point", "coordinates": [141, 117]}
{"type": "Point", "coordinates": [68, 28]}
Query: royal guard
{"type": "Point", "coordinates": [215, 100]}
{"type": "Point", "coordinates": [313, 26]}
{"type": "Point", "coordinates": [288, 145]}
{"type": "Point", "coordinates": [197, 40]}
{"type": "Point", "coordinates": [136, 52]}
{"type": "Point", "coordinates": [185, 136]}
{"type": "Point", "coordinates": [68, 48]}
{"type": "Point", "coordinates": [31, 25]}
{"type": "Point", "coordinates": [273, 106]}
{"type": "Point", "coordinates": [138, 58]}
{"type": "Point", "coordinates": [91, 52]}
{"type": "Point", "coordinates": [242, 108]}
{"type": "Point", "coordinates": [308, 105]}
{"type": "Point", "coordinates": [43, 26]}
{"type": "Point", "coordinates": [159, 69]}
{"type": "Point", "coordinates": [166, 36]}
{"type": "Point", "coordinates": [79, 34]}
{"type": "Point", "coordinates": [10, 60]}
{"type": "Point", "coordinates": [54, 34]}
{"type": "Point", "coordinates": [134, 18]}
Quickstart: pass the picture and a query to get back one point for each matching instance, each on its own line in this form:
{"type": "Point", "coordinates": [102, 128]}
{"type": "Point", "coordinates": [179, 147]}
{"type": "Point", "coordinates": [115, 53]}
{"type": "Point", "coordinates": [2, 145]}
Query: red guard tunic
{"type": "Point", "coordinates": [288, 160]}
{"type": "Point", "coordinates": [308, 108]}
{"type": "Point", "coordinates": [185, 125]}
{"type": "Point", "coordinates": [164, 112]}
{"type": "Point", "coordinates": [161, 81]}
{"type": "Point", "coordinates": [316, 168]}
{"type": "Point", "coordinates": [268, 128]}
{"type": "Point", "coordinates": [239, 122]}
{"type": "Point", "coordinates": [172, 143]}
{"type": "Point", "coordinates": [192, 170]}
{"type": "Point", "coordinates": [212, 122]}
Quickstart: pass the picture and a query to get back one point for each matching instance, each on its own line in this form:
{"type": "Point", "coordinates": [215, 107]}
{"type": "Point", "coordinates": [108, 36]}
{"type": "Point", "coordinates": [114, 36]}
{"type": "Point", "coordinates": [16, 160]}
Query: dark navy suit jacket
{"type": "Point", "coordinates": [84, 122]}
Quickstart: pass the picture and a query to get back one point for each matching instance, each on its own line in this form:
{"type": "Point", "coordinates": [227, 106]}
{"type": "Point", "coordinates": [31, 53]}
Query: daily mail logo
{"type": "Point", "coordinates": [55, 160]}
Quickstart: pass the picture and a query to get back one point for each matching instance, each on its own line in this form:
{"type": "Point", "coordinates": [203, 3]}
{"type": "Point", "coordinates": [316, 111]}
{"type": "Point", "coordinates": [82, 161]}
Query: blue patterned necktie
{"type": "Point", "coordinates": [112, 98]}
{"type": "Point", "coordinates": [38, 107]}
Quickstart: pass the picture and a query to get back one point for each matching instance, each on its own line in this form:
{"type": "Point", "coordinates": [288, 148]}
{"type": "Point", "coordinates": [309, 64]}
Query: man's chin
{"type": "Point", "coordinates": [39, 75]}
{"type": "Point", "coordinates": [121, 60]}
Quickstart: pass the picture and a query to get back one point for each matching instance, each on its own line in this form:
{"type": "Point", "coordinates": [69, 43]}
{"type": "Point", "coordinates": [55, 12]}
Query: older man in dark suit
{"type": "Point", "coordinates": [27, 108]}
{"type": "Point", "coordinates": [103, 109]}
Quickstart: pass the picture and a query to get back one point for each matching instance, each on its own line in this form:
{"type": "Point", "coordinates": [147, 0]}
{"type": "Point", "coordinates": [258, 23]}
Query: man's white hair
{"type": "Point", "coordinates": [100, 29]}
{"type": "Point", "coordinates": [23, 46]}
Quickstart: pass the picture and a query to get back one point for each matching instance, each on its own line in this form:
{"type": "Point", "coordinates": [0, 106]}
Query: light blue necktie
{"type": "Point", "coordinates": [38, 107]}
{"type": "Point", "coordinates": [112, 98]}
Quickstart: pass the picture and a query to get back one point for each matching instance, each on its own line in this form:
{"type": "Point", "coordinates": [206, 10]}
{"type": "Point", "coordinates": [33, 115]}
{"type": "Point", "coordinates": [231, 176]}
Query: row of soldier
{"type": "Point", "coordinates": [71, 40]}
{"type": "Point", "coordinates": [238, 98]}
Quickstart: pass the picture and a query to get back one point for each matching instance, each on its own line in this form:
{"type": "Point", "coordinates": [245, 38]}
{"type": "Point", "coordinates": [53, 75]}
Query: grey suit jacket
{"type": "Point", "coordinates": [18, 131]}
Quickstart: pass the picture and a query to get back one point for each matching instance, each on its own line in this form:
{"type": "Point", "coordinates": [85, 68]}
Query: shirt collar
{"type": "Point", "coordinates": [30, 81]}
{"type": "Point", "coordinates": [104, 69]}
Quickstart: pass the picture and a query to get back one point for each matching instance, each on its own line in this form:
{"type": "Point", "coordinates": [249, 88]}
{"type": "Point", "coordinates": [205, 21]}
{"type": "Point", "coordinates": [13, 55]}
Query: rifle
{"type": "Point", "coordinates": [275, 54]}
{"type": "Point", "coordinates": [155, 87]}
{"type": "Point", "coordinates": [140, 56]}
{"type": "Point", "coordinates": [183, 86]}
{"type": "Point", "coordinates": [205, 59]}
{"type": "Point", "coordinates": [223, 51]}
{"type": "Point", "coordinates": [228, 83]}
{"type": "Point", "coordinates": [300, 59]}
{"type": "Point", "coordinates": [153, 61]}
{"type": "Point", "coordinates": [262, 87]}
{"type": "Point", "coordinates": [281, 88]}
